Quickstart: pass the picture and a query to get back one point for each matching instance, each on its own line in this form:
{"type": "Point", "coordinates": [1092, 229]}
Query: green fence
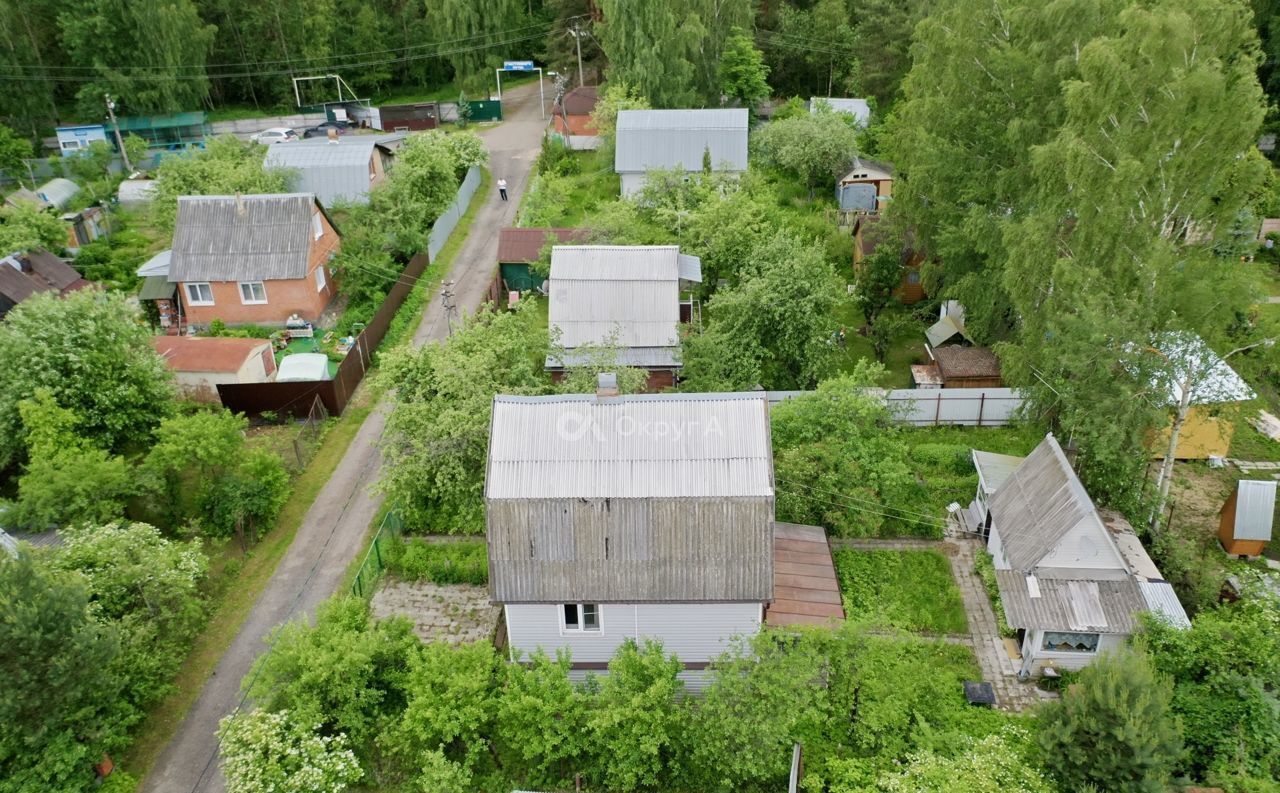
{"type": "Point", "coordinates": [373, 566]}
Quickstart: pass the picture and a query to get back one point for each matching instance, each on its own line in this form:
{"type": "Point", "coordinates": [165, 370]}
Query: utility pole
{"type": "Point", "coordinates": [576, 32]}
{"type": "Point", "coordinates": [450, 307]}
{"type": "Point", "coordinates": [115, 127]}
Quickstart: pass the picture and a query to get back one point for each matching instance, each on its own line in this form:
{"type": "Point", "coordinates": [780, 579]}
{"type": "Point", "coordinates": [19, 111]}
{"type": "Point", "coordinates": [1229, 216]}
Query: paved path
{"type": "Point", "coordinates": [333, 531]}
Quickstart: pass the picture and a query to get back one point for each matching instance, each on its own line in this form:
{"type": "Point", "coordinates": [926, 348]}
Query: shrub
{"type": "Point", "coordinates": [951, 457]}
{"type": "Point", "coordinates": [440, 563]}
{"type": "Point", "coordinates": [985, 567]}
{"type": "Point", "coordinates": [912, 590]}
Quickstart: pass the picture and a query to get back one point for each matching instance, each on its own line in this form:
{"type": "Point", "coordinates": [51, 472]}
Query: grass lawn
{"type": "Point", "coordinates": [906, 348]}
{"type": "Point", "coordinates": [940, 459]}
{"type": "Point", "coordinates": [593, 185]}
{"type": "Point", "coordinates": [912, 590]}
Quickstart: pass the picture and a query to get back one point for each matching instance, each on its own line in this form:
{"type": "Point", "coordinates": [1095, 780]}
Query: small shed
{"type": "Point", "coordinates": [518, 248]}
{"type": "Point", "coordinates": [136, 192]}
{"type": "Point", "coordinates": [678, 140]}
{"type": "Point", "coordinates": [200, 364]}
{"type": "Point", "coordinates": [303, 367]}
{"type": "Point", "coordinates": [341, 171]}
{"type": "Point", "coordinates": [1244, 528]}
{"type": "Point", "coordinates": [58, 192]}
{"type": "Point", "coordinates": [864, 173]}
{"type": "Point", "coordinates": [572, 114]}
{"type": "Point", "coordinates": [73, 139]}
{"type": "Point", "coordinates": [403, 118]}
{"type": "Point", "coordinates": [967, 367]}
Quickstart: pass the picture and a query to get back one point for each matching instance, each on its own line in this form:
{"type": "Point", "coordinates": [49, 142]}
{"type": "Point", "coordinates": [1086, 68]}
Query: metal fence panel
{"type": "Point", "coordinates": [374, 564]}
{"type": "Point", "coordinates": [445, 224]}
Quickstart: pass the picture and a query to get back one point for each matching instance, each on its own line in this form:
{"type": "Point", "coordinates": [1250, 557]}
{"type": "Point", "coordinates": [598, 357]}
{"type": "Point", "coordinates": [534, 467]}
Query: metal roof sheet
{"type": "Point", "coordinates": [1162, 601]}
{"type": "Point", "coordinates": [649, 139]}
{"type": "Point", "coordinates": [994, 469]}
{"type": "Point", "coordinates": [207, 353]}
{"type": "Point", "coordinates": [156, 265]}
{"type": "Point", "coordinates": [689, 267]}
{"type": "Point", "coordinates": [303, 367]}
{"type": "Point", "coordinates": [1038, 504]}
{"type": "Point", "coordinates": [643, 446]}
{"type": "Point", "coordinates": [156, 287]}
{"type": "Point", "coordinates": [58, 192]}
{"type": "Point", "coordinates": [525, 245]}
{"type": "Point", "coordinates": [638, 357]}
{"type": "Point", "coordinates": [945, 329]}
{"type": "Point", "coordinates": [627, 296]}
{"type": "Point", "coordinates": [858, 108]}
{"type": "Point", "coordinates": [1255, 509]}
{"type": "Point", "coordinates": [1214, 381]}
{"type": "Point", "coordinates": [268, 239]}
{"type": "Point", "coordinates": [332, 171]}
{"type": "Point", "coordinates": [1070, 604]}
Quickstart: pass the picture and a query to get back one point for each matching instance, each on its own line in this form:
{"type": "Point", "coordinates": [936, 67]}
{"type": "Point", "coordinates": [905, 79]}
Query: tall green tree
{"type": "Point", "coordinates": [1113, 729]}
{"type": "Point", "coordinates": [14, 152]}
{"type": "Point", "coordinates": [276, 753]}
{"type": "Point", "coordinates": [743, 75]}
{"type": "Point", "coordinates": [57, 713]}
{"type": "Point", "coordinates": [882, 44]}
{"type": "Point", "coordinates": [26, 227]}
{"type": "Point", "coordinates": [148, 54]}
{"type": "Point", "coordinates": [811, 51]}
{"type": "Point", "coordinates": [477, 32]}
{"type": "Point", "coordinates": [651, 47]}
{"type": "Point", "coordinates": [91, 350]}
{"type": "Point", "coordinates": [28, 48]}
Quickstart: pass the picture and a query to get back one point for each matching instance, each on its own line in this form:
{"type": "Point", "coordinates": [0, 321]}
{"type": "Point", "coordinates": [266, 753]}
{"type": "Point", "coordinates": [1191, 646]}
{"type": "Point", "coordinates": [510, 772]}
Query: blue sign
{"type": "Point", "coordinates": [517, 66]}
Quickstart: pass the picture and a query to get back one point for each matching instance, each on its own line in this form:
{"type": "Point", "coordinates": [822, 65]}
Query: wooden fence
{"type": "Point", "coordinates": [295, 399]}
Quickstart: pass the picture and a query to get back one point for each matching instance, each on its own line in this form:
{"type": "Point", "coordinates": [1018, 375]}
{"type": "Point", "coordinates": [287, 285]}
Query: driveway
{"type": "Point", "coordinates": [333, 532]}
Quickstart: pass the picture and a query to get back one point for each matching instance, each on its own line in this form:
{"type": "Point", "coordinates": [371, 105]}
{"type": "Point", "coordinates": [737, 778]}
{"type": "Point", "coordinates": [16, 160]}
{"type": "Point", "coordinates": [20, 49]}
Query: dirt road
{"type": "Point", "coordinates": [334, 529]}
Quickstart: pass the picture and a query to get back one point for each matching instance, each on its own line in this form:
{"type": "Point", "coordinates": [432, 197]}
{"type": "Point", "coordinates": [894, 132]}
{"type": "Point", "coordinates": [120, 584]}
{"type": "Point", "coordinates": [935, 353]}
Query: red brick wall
{"type": "Point", "coordinates": [574, 125]}
{"type": "Point", "coordinates": [284, 298]}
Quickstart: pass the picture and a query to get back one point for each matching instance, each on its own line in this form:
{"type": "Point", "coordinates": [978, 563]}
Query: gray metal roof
{"type": "Point", "coordinates": [641, 446]}
{"type": "Point", "coordinates": [135, 192]}
{"type": "Point", "coordinates": [945, 329]}
{"type": "Point", "coordinates": [858, 108]}
{"type": "Point", "coordinates": [638, 357]}
{"type": "Point", "coordinates": [994, 469]}
{"type": "Point", "coordinates": [332, 171]}
{"type": "Point", "coordinates": [690, 268]}
{"type": "Point", "coordinates": [1255, 509]}
{"type": "Point", "coordinates": [1038, 504]}
{"type": "Point", "coordinates": [1213, 381]}
{"type": "Point", "coordinates": [157, 287]}
{"type": "Point", "coordinates": [649, 498]}
{"type": "Point", "coordinates": [627, 295]}
{"type": "Point", "coordinates": [1163, 601]}
{"type": "Point", "coordinates": [58, 192]}
{"type": "Point", "coordinates": [1069, 604]}
{"type": "Point", "coordinates": [245, 238]}
{"type": "Point", "coordinates": [8, 544]}
{"type": "Point", "coordinates": [156, 265]}
{"type": "Point", "coordinates": [648, 139]}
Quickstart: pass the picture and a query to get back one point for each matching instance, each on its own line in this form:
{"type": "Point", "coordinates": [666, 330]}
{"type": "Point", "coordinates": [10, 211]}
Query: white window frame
{"type": "Point", "coordinates": [251, 284]}
{"type": "Point", "coordinates": [317, 226]}
{"type": "Point", "coordinates": [193, 299]}
{"type": "Point", "coordinates": [1044, 641]}
{"type": "Point", "coordinates": [580, 629]}
{"type": "Point", "coordinates": [322, 280]}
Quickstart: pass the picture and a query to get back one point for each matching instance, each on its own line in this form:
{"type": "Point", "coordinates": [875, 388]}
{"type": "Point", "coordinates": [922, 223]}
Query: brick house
{"type": "Point", "coordinates": [253, 259]}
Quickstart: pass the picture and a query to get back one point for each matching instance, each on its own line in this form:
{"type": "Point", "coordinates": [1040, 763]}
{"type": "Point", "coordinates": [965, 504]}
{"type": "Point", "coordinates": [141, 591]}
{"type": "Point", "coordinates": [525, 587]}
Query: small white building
{"type": "Point", "coordinates": [1072, 582]}
{"type": "Point", "coordinates": [632, 517]}
{"type": "Point", "coordinates": [200, 364]}
{"type": "Point", "coordinates": [860, 109]}
{"type": "Point", "coordinates": [678, 140]}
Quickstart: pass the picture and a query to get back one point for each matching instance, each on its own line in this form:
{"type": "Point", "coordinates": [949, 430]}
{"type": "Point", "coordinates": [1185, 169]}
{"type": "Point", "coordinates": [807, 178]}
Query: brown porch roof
{"type": "Point", "coordinates": [805, 590]}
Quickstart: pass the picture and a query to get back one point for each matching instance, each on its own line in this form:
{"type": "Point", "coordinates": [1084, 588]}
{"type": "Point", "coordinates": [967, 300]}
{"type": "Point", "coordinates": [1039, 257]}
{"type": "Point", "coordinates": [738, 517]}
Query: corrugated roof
{"type": "Point", "coordinates": [156, 265]}
{"type": "Point", "coordinates": [269, 240]}
{"type": "Point", "coordinates": [333, 172]}
{"type": "Point", "coordinates": [664, 498]}
{"type": "Point", "coordinates": [1163, 601]}
{"type": "Point", "coordinates": [638, 357]}
{"type": "Point", "coordinates": [689, 267]}
{"type": "Point", "coordinates": [805, 589]}
{"type": "Point", "coordinates": [629, 295]}
{"type": "Point", "coordinates": [206, 353]}
{"type": "Point", "coordinates": [1255, 509]}
{"type": "Point", "coordinates": [1214, 381]}
{"type": "Point", "coordinates": [642, 446]}
{"type": "Point", "coordinates": [955, 361]}
{"type": "Point", "coordinates": [1038, 504]}
{"type": "Point", "coordinates": [518, 246]}
{"type": "Point", "coordinates": [944, 329]}
{"type": "Point", "coordinates": [994, 469]}
{"type": "Point", "coordinates": [648, 139]}
{"type": "Point", "coordinates": [157, 287]}
{"type": "Point", "coordinates": [581, 101]}
{"type": "Point", "coordinates": [136, 191]}
{"type": "Point", "coordinates": [858, 108]}
{"type": "Point", "coordinates": [1070, 605]}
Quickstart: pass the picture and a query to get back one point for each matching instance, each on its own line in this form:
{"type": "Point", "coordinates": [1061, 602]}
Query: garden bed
{"type": "Point", "coordinates": [909, 589]}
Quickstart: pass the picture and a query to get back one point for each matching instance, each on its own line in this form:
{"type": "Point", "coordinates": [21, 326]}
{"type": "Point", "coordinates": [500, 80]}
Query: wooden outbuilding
{"type": "Point", "coordinates": [1244, 528]}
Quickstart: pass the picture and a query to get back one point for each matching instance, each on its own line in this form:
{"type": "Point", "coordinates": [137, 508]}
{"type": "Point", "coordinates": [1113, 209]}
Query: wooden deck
{"type": "Point", "coordinates": [805, 590]}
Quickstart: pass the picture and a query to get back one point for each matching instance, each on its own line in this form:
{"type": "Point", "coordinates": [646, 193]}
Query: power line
{"type": "Point", "coordinates": [875, 507]}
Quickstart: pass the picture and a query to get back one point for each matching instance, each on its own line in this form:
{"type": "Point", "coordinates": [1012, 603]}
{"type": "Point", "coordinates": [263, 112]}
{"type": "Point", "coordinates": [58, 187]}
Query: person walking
{"type": "Point", "coordinates": [502, 188]}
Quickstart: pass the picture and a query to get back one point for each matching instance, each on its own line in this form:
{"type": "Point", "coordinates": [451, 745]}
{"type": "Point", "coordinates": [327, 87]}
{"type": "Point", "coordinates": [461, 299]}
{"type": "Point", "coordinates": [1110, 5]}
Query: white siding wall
{"type": "Point", "coordinates": [996, 549]}
{"type": "Point", "coordinates": [632, 183]}
{"type": "Point", "coordinates": [693, 631]}
{"type": "Point", "coordinates": [1035, 659]}
{"type": "Point", "coordinates": [1086, 546]}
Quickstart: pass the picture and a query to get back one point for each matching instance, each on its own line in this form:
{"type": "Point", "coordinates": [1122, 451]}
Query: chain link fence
{"type": "Point", "coordinates": [374, 565]}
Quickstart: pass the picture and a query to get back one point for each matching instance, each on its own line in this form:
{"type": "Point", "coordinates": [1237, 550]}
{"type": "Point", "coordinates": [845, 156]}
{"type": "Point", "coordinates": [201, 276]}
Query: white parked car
{"type": "Point", "coordinates": [275, 135]}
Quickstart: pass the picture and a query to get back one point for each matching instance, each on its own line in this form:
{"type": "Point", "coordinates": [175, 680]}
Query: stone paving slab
{"type": "Point", "coordinates": [454, 613]}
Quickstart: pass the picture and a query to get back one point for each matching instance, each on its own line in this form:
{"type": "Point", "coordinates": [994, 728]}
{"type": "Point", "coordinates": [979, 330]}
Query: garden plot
{"type": "Point", "coordinates": [908, 589]}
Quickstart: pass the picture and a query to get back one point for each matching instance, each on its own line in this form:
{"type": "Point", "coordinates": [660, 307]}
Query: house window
{"type": "Point", "coordinates": [200, 294]}
{"type": "Point", "coordinates": [253, 293]}
{"type": "Point", "coordinates": [581, 618]}
{"type": "Point", "coordinates": [320, 280]}
{"type": "Point", "coordinates": [317, 226]}
{"type": "Point", "coordinates": [1070, 642]}
{"type": "Point", "coordinates": [913, 277]}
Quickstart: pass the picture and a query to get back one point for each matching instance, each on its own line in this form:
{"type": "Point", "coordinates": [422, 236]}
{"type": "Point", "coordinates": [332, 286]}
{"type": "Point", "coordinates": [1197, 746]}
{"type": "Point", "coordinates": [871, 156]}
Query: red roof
{"type": "Point", "coordinates": [206, 354]}
{"type": "Point", "coordinates": [521, 246]}
{"type": "Point", "coordinates": [580, 101]}
{"type": "Point", "coordinates": [805, 589]}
